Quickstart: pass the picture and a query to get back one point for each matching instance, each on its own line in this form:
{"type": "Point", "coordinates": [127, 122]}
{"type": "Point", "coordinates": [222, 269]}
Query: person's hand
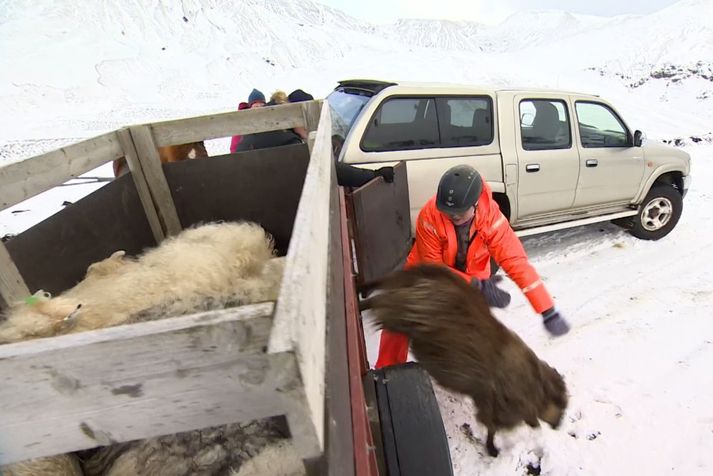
{"type": "Point", "coordinates": [554, 322]}
{"type": "Point", "coordinates": [495, 296]}
{"type": "Point", "coordinates": [386, 172]}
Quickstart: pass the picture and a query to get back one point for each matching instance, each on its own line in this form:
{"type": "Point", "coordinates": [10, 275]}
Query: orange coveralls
{"type": "Point", "coordinates": [436, 242]}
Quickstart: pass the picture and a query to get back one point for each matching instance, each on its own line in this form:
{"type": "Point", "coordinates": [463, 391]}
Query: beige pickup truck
{"type": "Point", "coordinates": [554, 159]}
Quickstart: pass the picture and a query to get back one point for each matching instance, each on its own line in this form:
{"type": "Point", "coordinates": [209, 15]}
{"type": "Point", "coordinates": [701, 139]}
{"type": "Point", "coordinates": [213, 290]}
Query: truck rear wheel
{"type": "Point", "coordinates": [659, 213]}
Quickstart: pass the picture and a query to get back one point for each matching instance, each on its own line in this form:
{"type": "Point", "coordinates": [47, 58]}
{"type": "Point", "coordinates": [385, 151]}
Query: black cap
{"type": "Point", "coordinates": [459, 189]}
{"type": "Point", "coordinates": [298, 96]}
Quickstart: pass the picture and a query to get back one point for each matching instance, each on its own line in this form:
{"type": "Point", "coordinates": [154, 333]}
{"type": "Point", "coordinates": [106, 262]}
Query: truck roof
{"type": "Point", "coordinates": [375, 86]}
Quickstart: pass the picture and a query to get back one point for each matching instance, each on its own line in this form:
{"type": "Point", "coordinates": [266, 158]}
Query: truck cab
{"type": "Point", "coordinates": [553, 159]}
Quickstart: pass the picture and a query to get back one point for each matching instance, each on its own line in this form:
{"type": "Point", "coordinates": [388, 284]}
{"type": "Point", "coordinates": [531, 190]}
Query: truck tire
{"type": "Point", "coordinates": [658, 214]}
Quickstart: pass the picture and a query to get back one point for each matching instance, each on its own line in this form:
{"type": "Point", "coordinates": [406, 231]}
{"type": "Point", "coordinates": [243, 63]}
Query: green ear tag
{"type": "Point", "coordinates": [30, 300]}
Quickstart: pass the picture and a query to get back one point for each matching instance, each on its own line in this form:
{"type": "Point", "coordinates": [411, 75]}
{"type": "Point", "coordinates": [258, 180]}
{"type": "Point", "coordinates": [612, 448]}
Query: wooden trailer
{"type": "Point", "coordinates": [302, 357]}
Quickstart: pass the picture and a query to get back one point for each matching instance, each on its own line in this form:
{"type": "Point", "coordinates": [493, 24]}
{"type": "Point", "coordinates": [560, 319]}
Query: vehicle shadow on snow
{"type": "Point", "coordinates": [576, 241]}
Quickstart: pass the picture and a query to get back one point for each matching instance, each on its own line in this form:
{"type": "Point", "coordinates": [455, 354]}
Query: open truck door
{"type": "Point", "coordinates": [405, 419]}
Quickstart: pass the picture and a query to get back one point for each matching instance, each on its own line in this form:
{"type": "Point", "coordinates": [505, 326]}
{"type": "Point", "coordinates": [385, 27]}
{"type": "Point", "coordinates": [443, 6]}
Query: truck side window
{"type": "Point", "coordinates": [599, 126]}
{"type": "Point", "coordinates": [544, 124]}
{"type": "Point", "coordinates": [402, 124]}
{"type": "Point", "coordinates": [465, 121]}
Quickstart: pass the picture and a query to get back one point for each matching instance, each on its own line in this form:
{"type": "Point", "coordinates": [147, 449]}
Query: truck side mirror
{"type": "Point", "coordinates": [638, 138]}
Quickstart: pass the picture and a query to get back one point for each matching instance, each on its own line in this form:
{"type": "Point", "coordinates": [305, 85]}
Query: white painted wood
{"type": "Point", "coordinates": [77, 391]}
{"type": "Point", "coordinates": [12, 286]}
{"type": "Point", "coordinates": [248, 121]}
{"type": "Point", "coordinates": [27, 178]}
{"type": "Point", "coordinates": [142, 187]}
{"type": "Point", "coordinates": [311, 111]}
{"type": "Point", "coordinates": [310, 141]}
{"type": "Point", "coordinates": [300, 315]}
{"type": "Point", "coordinates": [72, 392]}
{"type": "Point", "coordinates": [151, 167]}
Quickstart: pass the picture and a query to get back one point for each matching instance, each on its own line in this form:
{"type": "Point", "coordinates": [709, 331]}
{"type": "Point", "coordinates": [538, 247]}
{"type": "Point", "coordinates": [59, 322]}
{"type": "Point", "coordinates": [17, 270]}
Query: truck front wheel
{"type": "Point", "coordinates": [658, 214]}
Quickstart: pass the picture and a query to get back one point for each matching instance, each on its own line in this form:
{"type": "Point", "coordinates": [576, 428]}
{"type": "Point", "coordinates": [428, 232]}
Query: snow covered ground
{"type": "Point", "coordinates": [638, 360]}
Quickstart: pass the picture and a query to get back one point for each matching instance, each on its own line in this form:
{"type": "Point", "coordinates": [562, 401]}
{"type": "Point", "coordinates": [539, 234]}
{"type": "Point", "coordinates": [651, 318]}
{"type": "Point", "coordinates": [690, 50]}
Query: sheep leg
{"type": "Point", "coordinates": [366, 304]}
{"type": "Point", "coordinates": [490, 444]}
{"type": "Point", "coordinates": [533, 422]}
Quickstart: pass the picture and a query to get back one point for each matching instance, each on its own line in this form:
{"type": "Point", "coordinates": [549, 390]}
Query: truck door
{"type": "Point", "coordinates": [611, 168]}
{"type": "Point", "coordinates": [380, 225]}
{"type": "Point", "coordinates": [548, 159]}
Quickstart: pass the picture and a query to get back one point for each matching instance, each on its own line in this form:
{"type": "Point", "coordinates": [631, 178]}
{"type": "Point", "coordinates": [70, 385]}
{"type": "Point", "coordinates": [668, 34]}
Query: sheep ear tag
{"type": "Point", "coordinates": [35, 298]}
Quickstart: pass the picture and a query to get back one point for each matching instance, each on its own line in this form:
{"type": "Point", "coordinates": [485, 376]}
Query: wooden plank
{"type": "Point", "coordinates": [248, 121]}
{"type": "Point", "coordinates": [382, 225]}
{"type": "Point", "coordinates": [364, 454]}
{"type": "Point", "coordinates": [118, 384]}
{"type": "Point", "coordinates": [142, 187]}
{"type": "Point", "coordinates": [27, 178]}
{"type": "Point", "coordinates": [300, 316]}
{"type": "Point", "coordinates": [262, 186]}
{"type": "Point", "coordinates": [151, 167]}
{"type": "Point", "coordinates": [339, 439]}
{"type": "Point", "coordinates": [310, 140]}
{"type": "Point", "coordinates": [12, 286]}
{"type": "Point", "coordinates": [54, 254]}
{"type": "Point", "coordinates": [311, 111]}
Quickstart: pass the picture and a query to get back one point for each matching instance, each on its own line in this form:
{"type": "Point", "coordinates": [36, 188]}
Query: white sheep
{"type": "Point", "coordinates": [217, 261]}
{"type": "Point", "coordinates": [207, 267]}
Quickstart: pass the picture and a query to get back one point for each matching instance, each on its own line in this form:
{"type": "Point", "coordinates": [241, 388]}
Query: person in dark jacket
{"type": "Point", "coordinates": [350, 176]}
{"type": "Point", "coordinates": [263, 140]}
{"type": "Point", "coordinates": [255, 99]}
{"type": "Point", "coordinates": [347, 175]}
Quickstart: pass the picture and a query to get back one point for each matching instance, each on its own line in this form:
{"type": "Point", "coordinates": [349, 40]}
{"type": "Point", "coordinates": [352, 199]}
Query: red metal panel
{"type": "Point", "coordinates": [364, 454]}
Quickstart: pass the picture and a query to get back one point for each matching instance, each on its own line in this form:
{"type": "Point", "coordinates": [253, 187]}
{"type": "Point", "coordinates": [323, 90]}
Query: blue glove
{"type": "Point", "coordinates": [495, 296]}
{"type": "Point", "coordinates": [554, 323]}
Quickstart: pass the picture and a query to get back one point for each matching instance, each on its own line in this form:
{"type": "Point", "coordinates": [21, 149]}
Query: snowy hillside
{"type": "Point", "coordinates": [637, 362]}
{"type": "Point", "coordinates": [76, 69]}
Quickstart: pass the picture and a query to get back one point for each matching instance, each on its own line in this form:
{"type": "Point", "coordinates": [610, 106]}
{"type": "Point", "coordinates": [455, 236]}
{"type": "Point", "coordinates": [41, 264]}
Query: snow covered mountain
{"type": "Point", "coordinates": [74, 68]}
{"type": "Point", "coordinates": [637, 362]}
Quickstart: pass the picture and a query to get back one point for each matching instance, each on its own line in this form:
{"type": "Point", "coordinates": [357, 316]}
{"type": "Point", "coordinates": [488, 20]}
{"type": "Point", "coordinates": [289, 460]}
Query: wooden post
{"type": "Point", "coordinates": [311, 111]}
{"type": "Point", "coordinates": [150, 164]}
{"type": "Point", "coordinates": [310, 140]}
{"type": "Point", "coordinates": [142, 187]}
{"type": "Point", "coordinates": [12, 286]}
{"type": "Point", "coordinates": [300, 315]}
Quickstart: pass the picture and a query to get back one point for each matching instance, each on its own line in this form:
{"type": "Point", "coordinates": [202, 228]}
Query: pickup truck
{"type": "Point", "coordinates": [554, 159]}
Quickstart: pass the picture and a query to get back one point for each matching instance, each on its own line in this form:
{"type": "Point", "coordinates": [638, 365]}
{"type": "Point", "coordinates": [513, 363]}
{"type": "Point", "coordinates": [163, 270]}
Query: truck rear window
{"type": "Point", "coordinates": [345, 107]}
{"type": "Point", "coordinates": [403, 123]}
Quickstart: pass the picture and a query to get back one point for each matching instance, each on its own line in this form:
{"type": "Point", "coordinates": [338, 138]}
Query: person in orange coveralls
{"type": "Point", "coordinates": [462, 227]}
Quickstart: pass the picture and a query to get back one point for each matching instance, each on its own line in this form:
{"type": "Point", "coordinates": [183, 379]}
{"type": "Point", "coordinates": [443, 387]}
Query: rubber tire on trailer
{"type": "Point", "coordinates": [665, 195]}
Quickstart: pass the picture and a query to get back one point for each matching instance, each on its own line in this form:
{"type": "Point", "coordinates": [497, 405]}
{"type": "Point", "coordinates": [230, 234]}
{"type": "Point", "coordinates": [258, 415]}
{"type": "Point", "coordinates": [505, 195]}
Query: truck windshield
{"type": "Point", "coordinates": [345, 107]}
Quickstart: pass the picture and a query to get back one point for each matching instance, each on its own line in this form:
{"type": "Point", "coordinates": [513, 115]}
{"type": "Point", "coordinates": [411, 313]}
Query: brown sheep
{"type": "Point", "coordinates": [459, 342]}
{"type": "Point", "coordinates": [168, 154]}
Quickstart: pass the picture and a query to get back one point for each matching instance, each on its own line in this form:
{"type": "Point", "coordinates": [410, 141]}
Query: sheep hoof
{"type": "Point", "coordinates": [493, 451]}
{"type": "Point", "coordinates": [490, 444]}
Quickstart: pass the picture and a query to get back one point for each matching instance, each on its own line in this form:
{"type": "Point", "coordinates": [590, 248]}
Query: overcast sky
{"type": "Point", "coordinates": [493, 11]}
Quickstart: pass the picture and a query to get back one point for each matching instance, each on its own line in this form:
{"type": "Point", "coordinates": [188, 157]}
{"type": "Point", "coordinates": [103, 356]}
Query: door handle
{"type": "Point", "coordinates": [532, 167]}
{"type": "Point", "coordinates": [592, 162]}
